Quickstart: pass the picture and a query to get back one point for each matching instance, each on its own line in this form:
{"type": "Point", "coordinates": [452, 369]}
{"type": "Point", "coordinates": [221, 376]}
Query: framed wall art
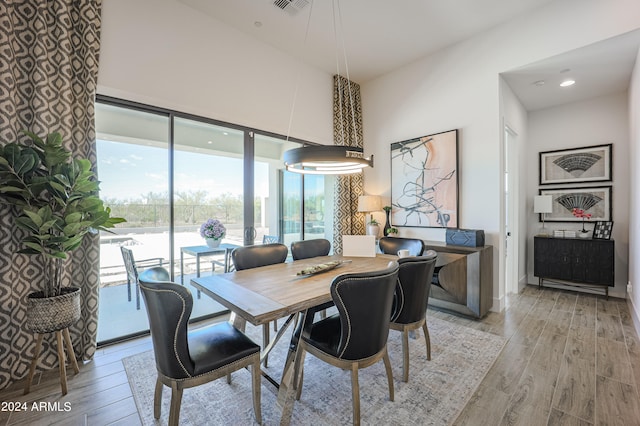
{"type": "Point", "coordinates": [596, 201]}
{"type": "Point", "coordinates": [577, 165]}
{"type": "Point", "coordinates": [602, 230]}
{"type": "Point", "coordinates": [424, 181]}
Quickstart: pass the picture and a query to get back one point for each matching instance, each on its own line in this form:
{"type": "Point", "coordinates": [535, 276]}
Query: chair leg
{"type": "Point", "coordinates": [157, 399]}
{"type": "Point", "coordinates": [355, 393]}
{"type": "Point", "coordinates": [255, 387]}
{"type": "Point", "coordinates": [32, 367]}
{"type": "Point", "coordinates": [405, 356]}
{"type": "Point", "coordinates": [137, 295]}
{"type": "Point", "coordinates": [275, 326]}
{"type": "Point", "coordinates": [298, 379]}
{"type": "Point", "coordinates": [265, 341]}
{"type": "Point", "coordinates": [128, 290]}
{"type": "Point", "coordinates": [387, 367]}
{"type": "Point", "coordinates": [427, 339]}
{"type": "Point", "coordinates": [229, 378]}
{"type": "Point", "coordinates": [176, 400]}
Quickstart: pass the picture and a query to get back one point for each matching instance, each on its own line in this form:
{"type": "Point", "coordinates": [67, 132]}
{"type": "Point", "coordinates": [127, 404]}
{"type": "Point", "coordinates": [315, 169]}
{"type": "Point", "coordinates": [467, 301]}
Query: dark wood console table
{"type": "Point", "coordinates": [463, 279]}
{"type": "Point", "coordinates": [574, 262]}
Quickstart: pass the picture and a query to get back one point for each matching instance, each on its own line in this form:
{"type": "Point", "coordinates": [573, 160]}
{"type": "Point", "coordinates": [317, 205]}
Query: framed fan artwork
{"type": "Point", "coordinates": [596, 201]}
{"type": "Point", "coordinates": [577, 165]}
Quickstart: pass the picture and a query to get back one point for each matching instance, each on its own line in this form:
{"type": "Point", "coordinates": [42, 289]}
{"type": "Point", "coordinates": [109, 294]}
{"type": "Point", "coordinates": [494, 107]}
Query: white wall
{"type": "Point", "coordinates": [597, 121]}
{"type": "Point", "coordinates": [458, 88]}
{"type": "Point", "coordinates": [634, 202]}
{"type": "Point", "coordinates": [163, 53]}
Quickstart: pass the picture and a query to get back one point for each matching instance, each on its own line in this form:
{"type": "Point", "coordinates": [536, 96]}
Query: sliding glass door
{"type": "Point", "coordinates": [167, 173]}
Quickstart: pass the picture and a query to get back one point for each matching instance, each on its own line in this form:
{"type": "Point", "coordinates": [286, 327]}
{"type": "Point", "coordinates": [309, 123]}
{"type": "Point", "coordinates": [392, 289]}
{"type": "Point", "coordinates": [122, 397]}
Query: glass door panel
{"type": "Point", "coordinates": [133, 158]}
{"type": "Point", "coordinates": [208, 184]}
{"type": "Point", "coordinates": [270, 218]}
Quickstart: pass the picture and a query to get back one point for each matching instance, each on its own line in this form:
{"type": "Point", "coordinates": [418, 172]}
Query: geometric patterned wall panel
{"type": "Point", "coordinates": [48, 72]}
{"type": "Point", "coordinates": [347, 130]}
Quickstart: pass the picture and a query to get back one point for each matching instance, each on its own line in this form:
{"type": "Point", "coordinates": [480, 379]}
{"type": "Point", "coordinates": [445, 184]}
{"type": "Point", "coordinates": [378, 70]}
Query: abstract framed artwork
{"type": "Point", "coordinates": [596, 201]}
{"type": "Point", "coordinates": [424, 181]}
{"type": "Point", "coordinates": [602, 230]}
{"type": "Point", "coordinates": [578, 165]}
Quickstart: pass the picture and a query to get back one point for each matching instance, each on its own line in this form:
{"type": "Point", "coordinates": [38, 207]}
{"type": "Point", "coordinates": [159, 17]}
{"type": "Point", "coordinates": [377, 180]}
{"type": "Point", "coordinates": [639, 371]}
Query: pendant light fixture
{"type": "Point", "coordinates": [328, 159]}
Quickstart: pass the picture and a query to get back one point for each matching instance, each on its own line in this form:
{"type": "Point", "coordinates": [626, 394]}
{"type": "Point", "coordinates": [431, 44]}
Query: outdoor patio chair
{"type": "Point", "coordinates": [131, 266]}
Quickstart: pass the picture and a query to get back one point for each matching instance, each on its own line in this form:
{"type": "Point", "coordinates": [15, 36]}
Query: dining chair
{"type": "Point", "coordinates": [270, 239]}
{"type": "Point", "coordinates": [310, 248]}
{"type": "Point", "coordinates": [391, 245]}
{"type": "Point", "coordinates": [186, 358]}
{"type": "Point", "coordinates": [410, 302]}
{"type": "Point", "coordinates": [131, 267]}
{"type": "Point", "coordinates": [249, 257]}
{"type": "Point", "coordinates": [355, 337]}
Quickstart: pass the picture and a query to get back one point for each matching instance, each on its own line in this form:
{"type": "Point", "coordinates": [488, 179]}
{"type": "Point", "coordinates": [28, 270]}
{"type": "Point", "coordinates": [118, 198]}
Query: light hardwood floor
{"type": "Point", "coordinates": [571, 359]}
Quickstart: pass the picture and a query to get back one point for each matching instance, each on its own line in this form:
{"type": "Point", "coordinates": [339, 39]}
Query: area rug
{"type": "Point", "coordinates": [436, 393]}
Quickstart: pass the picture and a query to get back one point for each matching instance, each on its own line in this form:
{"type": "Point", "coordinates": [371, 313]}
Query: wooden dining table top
{"type": "Point", "coordinates": [264, 294]}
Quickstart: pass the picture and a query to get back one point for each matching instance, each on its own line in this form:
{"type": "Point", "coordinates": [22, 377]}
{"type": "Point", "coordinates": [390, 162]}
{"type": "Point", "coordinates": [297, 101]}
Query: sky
{"type": "Point", "coordinates": [128, 171]}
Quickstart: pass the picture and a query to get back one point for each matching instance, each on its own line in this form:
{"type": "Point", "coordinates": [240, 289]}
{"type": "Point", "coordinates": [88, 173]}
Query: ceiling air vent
{"type": "Point", "coordinates": [292, 7]}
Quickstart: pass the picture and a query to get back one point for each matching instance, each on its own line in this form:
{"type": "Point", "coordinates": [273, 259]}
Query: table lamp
{"type": "Point", "coordinates": [369, 204]}
{"type": "Point", "coordinates": [543, 204]}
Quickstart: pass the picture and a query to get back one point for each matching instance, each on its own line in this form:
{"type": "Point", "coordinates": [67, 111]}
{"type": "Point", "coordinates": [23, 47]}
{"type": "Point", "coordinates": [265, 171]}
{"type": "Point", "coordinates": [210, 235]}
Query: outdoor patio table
{"type": "Point", "coordinates": [201, 251]}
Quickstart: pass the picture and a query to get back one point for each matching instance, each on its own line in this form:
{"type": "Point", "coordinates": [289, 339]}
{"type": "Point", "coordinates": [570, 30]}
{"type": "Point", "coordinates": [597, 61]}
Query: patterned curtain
{"type": "Point", "coordinates": [48, 72]}
{"type": "Point", "coordinates": [347, 130]}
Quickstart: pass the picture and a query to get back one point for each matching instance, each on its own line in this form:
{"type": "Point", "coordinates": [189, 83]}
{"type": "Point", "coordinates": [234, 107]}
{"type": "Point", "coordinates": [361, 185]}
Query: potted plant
{"type": "Point", "coordinates": [585, 216]}
{"type": "Point", "coordinates": [213, 231]}
{"type": "Point", "coordinates": [57, 201]}
{"type": "Point", "coordinates": [391, 231]}
{"type": "Point", "coordinates": [373, 228]}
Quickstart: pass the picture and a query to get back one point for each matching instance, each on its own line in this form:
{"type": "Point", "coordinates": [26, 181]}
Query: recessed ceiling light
{"type": "Point", "coordinates": [225, 133]}
{"type": "Point", "coordinates": [567, 83]}
{"type": "Point", "coordinates": [538, 83]}
{"type": "Point", "coordinates": [565, 70]}
{"type": "Point", "coordinates": [257, 24]}
{"type": "Point", "coordinates": [209, 142]}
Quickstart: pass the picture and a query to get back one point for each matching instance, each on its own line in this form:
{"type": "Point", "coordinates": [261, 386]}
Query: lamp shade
{"type": "Point", "coordinates": [543, 204]}
{"type": "Point", "coordinates": [369, 203]}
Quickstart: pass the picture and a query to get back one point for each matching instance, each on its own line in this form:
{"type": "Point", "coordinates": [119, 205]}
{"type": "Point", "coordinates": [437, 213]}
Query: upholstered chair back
{"type": "Point", "coordinates": [412, 292]}
{"type": "Point", "coordinates": [169, 307]}
{"type": "Point", "coordinates": [364, 304]}
{"type": "Point", "coordinates": [391, 245]}
{"type": "Point", "coordinates": [260, 255]}
{"type": "Point", "coordinates": [310, 248]}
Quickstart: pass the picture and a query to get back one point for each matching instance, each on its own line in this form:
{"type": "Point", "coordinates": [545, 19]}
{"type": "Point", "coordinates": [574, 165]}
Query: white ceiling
{"type": "Point", "coordinates": [381, 36]}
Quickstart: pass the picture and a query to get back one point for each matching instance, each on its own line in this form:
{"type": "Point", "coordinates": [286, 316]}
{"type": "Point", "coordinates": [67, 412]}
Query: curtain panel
{"type": "Point", "coordinates": [48, 73]}
{"type": "Point", "coordinates": [347, 130]}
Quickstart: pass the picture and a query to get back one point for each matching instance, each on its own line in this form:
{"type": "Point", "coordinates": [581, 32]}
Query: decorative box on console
{"type": "Point", "coordinates": [465, 237]}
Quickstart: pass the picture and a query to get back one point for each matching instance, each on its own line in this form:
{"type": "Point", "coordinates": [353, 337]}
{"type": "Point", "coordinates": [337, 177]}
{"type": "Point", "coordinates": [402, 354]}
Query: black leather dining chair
{"type": "Point", "coordinates": [186, 358]}
{"type": "Point", "coordinates": [355, 337]}
{"type": "Point", "coordinates": [410, 302]}
{"type": "Point", "coordinates": [310, 248]}
{"type": "Point", "coordinates": [249, 257]}
{"type": "Point", "coordinates": [391, 245]}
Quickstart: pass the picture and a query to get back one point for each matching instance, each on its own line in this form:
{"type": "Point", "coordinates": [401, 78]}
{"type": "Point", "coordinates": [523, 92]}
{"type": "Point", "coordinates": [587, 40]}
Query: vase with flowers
{"type": "Point", "coordinates": [213, 231]}
{"type": "Point", "coordinates": [580, 213]}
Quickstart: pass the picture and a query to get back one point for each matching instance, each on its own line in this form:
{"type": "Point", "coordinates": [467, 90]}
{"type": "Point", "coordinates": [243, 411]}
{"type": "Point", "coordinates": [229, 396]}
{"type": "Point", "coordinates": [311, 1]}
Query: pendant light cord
{"type": "Point", "coordinates": [346, 67]}
{"type": "Point", "coordinates": [295, 91]}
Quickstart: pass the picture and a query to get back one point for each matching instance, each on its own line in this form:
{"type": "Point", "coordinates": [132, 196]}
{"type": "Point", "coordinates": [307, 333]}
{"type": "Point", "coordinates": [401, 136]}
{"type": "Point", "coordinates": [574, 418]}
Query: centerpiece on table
{"type": "Point", "coordinates": [213, 231]}
{"type": "Point", "coordinates": [585, 216]}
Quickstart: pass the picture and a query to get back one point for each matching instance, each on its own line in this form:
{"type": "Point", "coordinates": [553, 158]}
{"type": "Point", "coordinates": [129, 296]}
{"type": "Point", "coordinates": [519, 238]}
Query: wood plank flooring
{"type": "Point", "coordinates": [571, 359]}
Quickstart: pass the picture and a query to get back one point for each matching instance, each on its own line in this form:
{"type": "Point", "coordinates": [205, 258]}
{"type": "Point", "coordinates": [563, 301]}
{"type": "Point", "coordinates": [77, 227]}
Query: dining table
{"type": "Point", "coordinates": [264, 294]}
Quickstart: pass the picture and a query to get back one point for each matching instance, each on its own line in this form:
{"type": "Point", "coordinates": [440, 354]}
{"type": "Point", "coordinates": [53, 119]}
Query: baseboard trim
{"type": "Point", "coordinates": [634, 316]}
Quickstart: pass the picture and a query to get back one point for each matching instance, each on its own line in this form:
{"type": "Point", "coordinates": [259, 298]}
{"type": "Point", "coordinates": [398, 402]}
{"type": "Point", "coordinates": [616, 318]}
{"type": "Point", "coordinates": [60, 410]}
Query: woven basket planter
{"type": "Point", "coordinates": [47, 314]}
